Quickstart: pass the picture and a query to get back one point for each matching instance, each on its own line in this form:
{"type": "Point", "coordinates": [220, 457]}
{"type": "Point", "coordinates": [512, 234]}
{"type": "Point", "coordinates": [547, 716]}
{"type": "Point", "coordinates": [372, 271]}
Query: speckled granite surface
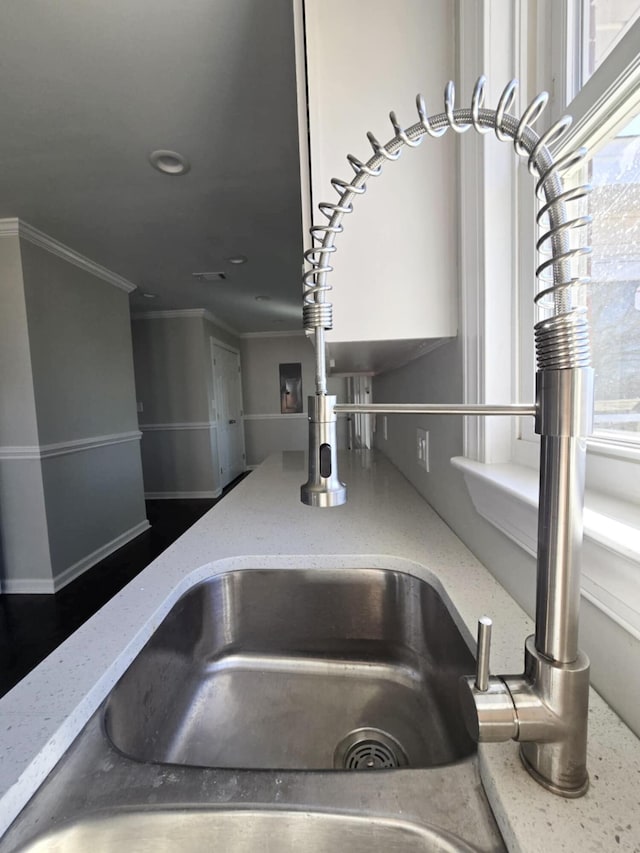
{"type": "Point", "coordinates": [262, 524]}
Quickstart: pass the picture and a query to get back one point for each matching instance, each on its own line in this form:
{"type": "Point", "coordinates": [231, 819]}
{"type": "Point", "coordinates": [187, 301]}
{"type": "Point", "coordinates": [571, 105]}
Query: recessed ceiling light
{"type": "Point", "coordinates": [169, 162]}
{"type": "Point", "coordinates": [263, 299]}
{"type": "Point", "coordinates": [150, 295]}
{"type": "Point", "coordinates": [238, 259]}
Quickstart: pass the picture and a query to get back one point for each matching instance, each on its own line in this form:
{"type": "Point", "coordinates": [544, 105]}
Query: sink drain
{"type": "Point", "coordinates": [369, 749]}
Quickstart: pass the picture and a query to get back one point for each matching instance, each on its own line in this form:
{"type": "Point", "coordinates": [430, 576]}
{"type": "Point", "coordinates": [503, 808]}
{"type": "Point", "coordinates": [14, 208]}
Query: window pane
{"type": "Point", "coordinates": [606, 22]}
{"type": "Point", "coordinates": [614, 295]}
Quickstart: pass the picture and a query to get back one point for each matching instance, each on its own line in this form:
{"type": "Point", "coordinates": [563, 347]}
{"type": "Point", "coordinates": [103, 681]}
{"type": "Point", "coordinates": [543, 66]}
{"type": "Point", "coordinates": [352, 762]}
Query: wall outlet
{"type": "Point", "coordinates": [422, 448]}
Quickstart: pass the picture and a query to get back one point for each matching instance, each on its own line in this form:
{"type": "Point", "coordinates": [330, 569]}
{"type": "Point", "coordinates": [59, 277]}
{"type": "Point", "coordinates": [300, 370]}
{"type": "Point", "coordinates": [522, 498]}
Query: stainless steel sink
{"type": "Point", "coordinates": [298, 670]}
{"type": "Point", "coordinates": [227, 730]}
{"type": "Point", "coordinates": [97, 799]}
{"type": "Point", "coordinates": [247, 831]}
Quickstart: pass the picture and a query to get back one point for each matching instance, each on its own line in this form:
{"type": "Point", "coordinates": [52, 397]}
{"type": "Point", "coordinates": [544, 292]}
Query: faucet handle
{"type": "Point", "coordinates": [487, 704]}
{"type": "Point", "coordinates": [483, 654]}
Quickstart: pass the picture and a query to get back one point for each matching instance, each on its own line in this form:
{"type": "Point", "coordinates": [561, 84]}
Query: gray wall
{"type": "Point", "coordinates": [437, 378]}
{"type": "Point", "coordinates": [25, 556]}
{"type": "Point", "coordinates": [18, 424]}
{"type": "Point", "coordinates": [170, 370]}
{"type": "Point", "coordinates": [261, 357]}
{"type": "Point", "coordinates": [93, 498]}
{"type": "Point", "coordinates": [24, 535]}
{"type": "Point", "coordinates": [174, 384]}
{"type": "Point", "coordinates": [67, 378]}
{"type": "Point", "coordinates": [266, 429]}
{"type": "Point", "coordinates": [80, 340]}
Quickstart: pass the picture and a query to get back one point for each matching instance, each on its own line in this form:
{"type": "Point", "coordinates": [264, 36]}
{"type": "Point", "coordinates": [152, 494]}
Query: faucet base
{"type": "Point", "coordinates": [552, 703]}
{"type": "Point", "coordinates": [569, 793]}
{"type": "Point", "coordinates": [545, 709]}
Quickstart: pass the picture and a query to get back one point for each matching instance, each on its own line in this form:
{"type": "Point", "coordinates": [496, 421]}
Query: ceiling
{"type": "Point", "coordinates": [90, 88]}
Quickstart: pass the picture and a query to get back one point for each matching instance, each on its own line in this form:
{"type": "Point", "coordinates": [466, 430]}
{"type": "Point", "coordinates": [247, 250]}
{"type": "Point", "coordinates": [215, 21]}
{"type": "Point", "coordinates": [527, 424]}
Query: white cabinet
{"type": "Point", "coordinates": [395, 268]}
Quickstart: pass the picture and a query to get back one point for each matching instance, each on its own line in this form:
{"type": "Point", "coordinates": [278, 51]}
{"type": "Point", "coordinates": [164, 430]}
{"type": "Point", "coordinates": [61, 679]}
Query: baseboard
{"type": "Point", "coordinates": [175, 496]}
{"type": "Point", "coordinates": [29, 586]}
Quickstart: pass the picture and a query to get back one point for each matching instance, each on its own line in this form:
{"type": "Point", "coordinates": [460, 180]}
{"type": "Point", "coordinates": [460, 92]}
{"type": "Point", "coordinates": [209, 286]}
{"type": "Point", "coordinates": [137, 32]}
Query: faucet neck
{"type": "Point", "coordinates": [563, 421]}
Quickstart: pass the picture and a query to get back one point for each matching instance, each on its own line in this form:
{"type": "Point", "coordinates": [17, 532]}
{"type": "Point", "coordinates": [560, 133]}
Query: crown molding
{"type": "Point", "coordinates": [294, 334]}
{"type": "Point", "coordinates": [218, 322]}
{"type": "Point", "coordinates": [182, 313]}
{"type": "Point", "coordinates": [202, 313]}
{"type": "Point", "coordinates": [18, 228]}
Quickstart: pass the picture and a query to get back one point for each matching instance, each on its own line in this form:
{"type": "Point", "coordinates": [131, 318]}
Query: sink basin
{"type": "Point", "coordinates": [226, 731]}
{"type": "Point", "coordinates": [207, 831]}
{"type": "Point", "coordinates": [298, 670]}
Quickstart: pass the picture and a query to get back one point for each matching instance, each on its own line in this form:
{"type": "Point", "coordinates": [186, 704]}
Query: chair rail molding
{"type": "Point", "coordinates": [62, 448]}
{"type": "Point", "coordinates": [178, 426]}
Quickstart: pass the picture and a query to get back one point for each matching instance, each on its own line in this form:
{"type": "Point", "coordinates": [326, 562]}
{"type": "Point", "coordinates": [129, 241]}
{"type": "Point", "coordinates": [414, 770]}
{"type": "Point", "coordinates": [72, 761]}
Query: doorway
{"type": "Point", "coordinates": [227, 391]}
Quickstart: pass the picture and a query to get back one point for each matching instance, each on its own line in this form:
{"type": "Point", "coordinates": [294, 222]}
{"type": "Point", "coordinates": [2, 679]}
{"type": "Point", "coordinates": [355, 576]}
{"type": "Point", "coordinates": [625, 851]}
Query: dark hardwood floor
{"type": "Point", "coordinates": [32, 626]}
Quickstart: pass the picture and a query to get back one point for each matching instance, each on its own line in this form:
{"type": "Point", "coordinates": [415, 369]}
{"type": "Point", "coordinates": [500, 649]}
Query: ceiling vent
{"type": "Point", "coordinates": [209, 276]}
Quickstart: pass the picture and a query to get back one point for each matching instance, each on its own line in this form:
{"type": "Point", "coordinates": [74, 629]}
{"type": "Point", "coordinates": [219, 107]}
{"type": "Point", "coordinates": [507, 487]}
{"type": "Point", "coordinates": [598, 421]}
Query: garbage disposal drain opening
{"type": "Point", "coordinates": [369, 749]}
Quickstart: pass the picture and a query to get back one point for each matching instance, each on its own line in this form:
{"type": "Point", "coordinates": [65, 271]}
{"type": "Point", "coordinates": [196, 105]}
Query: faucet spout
{"type": "Point", "coordinates": [544, 708]}
{"type": "Point", "coordinates": [323, 488]}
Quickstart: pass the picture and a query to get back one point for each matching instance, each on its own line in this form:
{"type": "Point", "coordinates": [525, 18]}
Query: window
{"type": "Point", "coordinates": [586, 54]}
{"type": "Point", "coordinates": [614, 295]}
{"type": "Point", "coordinates": [603, 35]}
{"type": "Point", "coordinates": [603, 25]}
{"type": "Point", "coordinates": [600, 40]}
{"type": "Point", "coordinates": [605, 104]}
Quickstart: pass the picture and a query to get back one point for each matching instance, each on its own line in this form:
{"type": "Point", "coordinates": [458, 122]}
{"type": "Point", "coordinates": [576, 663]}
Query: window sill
{"type": "Point", "coordinates": [506, 495]}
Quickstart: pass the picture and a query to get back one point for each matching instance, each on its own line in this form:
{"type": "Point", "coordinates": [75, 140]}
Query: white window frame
{"type": "Point", "coordinates": [600, 107]}
{"type": "Point", "coordinates": [487, 219]}
{"type": "Point", "coordinates": [500, 464]}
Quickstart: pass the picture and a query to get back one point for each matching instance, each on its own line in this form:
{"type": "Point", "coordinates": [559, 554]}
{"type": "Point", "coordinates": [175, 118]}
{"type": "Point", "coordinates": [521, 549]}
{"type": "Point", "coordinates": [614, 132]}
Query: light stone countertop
{"type": "Point", "coordinates": [262, 524]}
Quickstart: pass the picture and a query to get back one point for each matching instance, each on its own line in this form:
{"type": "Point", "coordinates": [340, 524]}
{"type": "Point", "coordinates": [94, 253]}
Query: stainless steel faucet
{"type": "Point", "coordinates": [544, 708]}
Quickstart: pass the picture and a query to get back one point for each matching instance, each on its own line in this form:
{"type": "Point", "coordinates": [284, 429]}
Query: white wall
{"type": "Point", "coordinates": [70, 471]}
{"type": "Point", "coordinates": [266, 429]}
{"type": "Point", "coordinates": [363, 60]}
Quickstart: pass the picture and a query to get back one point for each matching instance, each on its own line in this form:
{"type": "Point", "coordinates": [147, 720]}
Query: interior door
{"type": "Point", "coordinates": [228, 400]}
